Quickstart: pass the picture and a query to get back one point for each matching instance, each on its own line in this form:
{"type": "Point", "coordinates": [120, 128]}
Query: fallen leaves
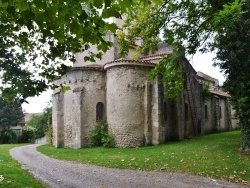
{"type": "Point", "coordinates": [236, 179]}
{"type": "Point", "coordinates": [1, 178]}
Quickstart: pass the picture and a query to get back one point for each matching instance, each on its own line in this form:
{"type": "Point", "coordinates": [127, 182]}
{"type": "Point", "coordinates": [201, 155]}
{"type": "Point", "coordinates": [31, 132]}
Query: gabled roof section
{"type": "Point", "coordinates": [206, 77]}
{"type": "Point", "coordinates": [220, 93]}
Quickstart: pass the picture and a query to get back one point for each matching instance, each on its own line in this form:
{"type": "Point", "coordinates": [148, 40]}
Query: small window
{"type": "Point", "coordinates": [99, 111]}
{"type": "Point", "coordinates": [206, 113]}
{"type": "Point", "coordinates": [186, 111]}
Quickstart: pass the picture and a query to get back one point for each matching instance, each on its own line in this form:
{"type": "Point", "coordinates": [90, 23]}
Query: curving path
{"type": "Point", "coordinates": [58, 173]}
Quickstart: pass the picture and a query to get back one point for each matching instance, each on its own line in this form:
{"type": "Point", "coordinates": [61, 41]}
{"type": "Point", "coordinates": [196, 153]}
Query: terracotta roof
{"type": "Point", "coordinates": [127, 62]}
{"type": "Point", "coordinates": [156, 55]}
{"type": "Point", "coordinates": [123, 60]}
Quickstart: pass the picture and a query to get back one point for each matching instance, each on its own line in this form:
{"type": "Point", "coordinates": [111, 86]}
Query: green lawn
{"type": "Point", "coordinates": [215, 155]}
{"type": "Point", "coordinates": [11, 174]}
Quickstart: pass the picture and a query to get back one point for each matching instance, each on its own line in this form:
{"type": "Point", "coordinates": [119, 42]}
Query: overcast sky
{"type": "Point", "coordinates": [204, 63]}
{"type": "Point", "coordinates": [201, 62]}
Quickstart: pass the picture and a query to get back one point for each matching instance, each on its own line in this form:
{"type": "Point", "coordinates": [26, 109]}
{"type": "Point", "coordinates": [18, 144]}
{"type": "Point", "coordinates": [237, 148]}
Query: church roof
{"type": "Point", "coordinates": [154, 56]}
{"type": "Point", "coordinates": [124, 61]}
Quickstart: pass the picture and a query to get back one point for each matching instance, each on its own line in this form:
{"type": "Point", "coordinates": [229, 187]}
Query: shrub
{"type": "Point", "coordinates": [29, 134]}
{"type": "Point", "coordinates": [40, 125]}
{"type": "Point", "coordinates": [99, 135]}
{"type": "Point", "coordinates": [8, 136]}
{"type": "Point", "coordinates": [26, 137]}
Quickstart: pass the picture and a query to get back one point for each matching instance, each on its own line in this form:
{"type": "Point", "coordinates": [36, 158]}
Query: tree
{"type": "Point", "coordinates": [10, 115]}
{"type": "Point", "coordinates": [39, 36]}
{"type": "Point", "coordinates": [192, 25]}
{"type": "Point", "coordinates": [233, 44]}
{"type": "Point", "coordinates": [39, 125]}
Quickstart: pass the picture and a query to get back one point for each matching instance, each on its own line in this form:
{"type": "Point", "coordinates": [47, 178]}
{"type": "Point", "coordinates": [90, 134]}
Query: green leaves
{"type": "Point", "coordinates": [98, 3]}
{"type": "Point", "coordinates": [229, 13]}
{"type": "Point", "coordinates": [110, 27]}
{"type": "Point", "coordinates": [39, 124]}
{"type": "Point", "coordinates": [21, 5]}
{"type": "Point", "coordinates": [100, 136]}
{"type": "Point", "coordinates": [10, 113]}
{"type": "Point", "coordinates": [111, 12]}
{"type": "Point", "coordinates": [171, 74]}
{"type": "Point", "coordinates": [37, 37]}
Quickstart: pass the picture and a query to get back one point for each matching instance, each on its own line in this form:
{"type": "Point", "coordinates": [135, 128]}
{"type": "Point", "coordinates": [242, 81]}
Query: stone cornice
{"type": "Point", "coordinates": [155, 56]}
{"type": "Point", "coordinates": [127, 62]}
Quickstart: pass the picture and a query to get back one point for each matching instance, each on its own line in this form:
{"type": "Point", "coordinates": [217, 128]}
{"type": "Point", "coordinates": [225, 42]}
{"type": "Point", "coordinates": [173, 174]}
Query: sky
{"type": "Point", "coordinates": [37, 104]}
{"type": "Point", "coordinates": [200, 62]}
{"type": "Point", "coordinates": [204, 63]}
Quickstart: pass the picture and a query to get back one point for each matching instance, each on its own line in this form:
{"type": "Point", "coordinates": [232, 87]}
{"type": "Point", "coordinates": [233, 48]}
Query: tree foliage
{"type": "Point", "coordinates": [199, 25]}
{"type": "Point", "coordinates": [38, 125]}
{"type": "Point", "coordinates": [39, 37]}
{"type": "Point", "coordinates": [100, 136]}
{"type": "Point", "coordinates": [10, 113]}
{"type": "Point", "coordinates": [233, 44]}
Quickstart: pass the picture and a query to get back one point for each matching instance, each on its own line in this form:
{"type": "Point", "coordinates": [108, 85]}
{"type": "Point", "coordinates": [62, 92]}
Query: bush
{"type": "Point", "coordinates": [40, 125]}
{"type": "Point", "coordinates": [99, 136]}
{"type": "Point", "coordinates": [26, 137]}
{"type": "Point", "coordinates": [8, 136]}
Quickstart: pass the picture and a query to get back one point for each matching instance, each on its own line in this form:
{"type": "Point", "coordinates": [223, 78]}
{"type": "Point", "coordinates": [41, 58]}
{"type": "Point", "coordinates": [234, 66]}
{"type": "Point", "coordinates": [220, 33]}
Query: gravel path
{"type": "Point", "coordinates": [58, 173]}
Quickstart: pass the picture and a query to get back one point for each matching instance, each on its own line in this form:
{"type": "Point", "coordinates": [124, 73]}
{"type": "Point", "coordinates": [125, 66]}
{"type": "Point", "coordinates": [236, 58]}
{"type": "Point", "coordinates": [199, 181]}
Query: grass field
{"type": "Point", "coordinates": [11, 174]}
{"type": "Point", "coordinates": [216, 155]}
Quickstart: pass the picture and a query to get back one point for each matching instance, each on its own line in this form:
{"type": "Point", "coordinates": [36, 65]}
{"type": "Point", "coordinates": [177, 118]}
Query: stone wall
{"type": "Point", "coordinates": [74, 112]}
{"type": "Point", "coordinates": [125, 102]}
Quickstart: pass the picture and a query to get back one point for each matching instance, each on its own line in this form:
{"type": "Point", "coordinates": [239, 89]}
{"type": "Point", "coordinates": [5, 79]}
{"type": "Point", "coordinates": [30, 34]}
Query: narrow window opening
{"type": "Point", "coordinates": [99, 111]}
{"type": "Point", "coordinates": [206, 113]}
{"type": "Point", "coordinates": [186, 111]}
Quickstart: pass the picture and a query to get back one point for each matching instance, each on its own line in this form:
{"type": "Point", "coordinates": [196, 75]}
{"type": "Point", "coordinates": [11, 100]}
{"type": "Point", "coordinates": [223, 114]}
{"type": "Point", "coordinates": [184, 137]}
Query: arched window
{"type": "Point", "coordinates": [99, 111]}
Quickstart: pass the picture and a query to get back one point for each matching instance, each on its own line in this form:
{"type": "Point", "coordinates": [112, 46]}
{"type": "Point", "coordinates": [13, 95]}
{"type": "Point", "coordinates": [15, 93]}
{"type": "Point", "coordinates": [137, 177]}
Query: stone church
{"type": "Point", "coordinates": [135, 108]}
